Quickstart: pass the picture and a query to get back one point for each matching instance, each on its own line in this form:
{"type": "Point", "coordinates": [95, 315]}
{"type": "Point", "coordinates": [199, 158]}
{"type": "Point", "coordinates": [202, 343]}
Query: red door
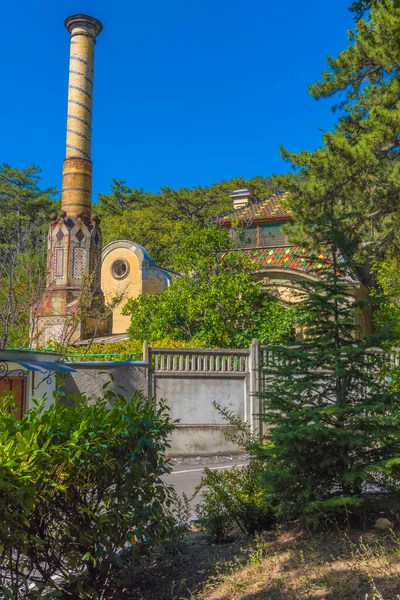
{"type": "Point", "coordinates": [16, 385]}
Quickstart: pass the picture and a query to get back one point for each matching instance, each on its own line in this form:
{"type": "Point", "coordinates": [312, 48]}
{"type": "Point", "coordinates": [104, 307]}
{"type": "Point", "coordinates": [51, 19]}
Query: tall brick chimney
{"type": "Point", "coordinates": [77, 171]}
{"type": "Point", "coordinates": [74, 240]}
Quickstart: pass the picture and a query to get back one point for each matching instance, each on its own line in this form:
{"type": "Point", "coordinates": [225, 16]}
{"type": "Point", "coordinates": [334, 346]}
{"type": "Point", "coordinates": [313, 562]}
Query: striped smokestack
{"type": "Point", "coordinates": [74, 240]}
{"type": "Point", "coordinates": [77, 170]}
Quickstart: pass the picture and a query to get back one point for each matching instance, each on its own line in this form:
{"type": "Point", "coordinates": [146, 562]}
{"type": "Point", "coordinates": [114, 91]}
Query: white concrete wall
{"type": "Point", "coordinates": [44, 388]}
{"type": "Point", "coordinates": [201, 440]}
{"type": "Point", "coordinates": [190, 396]}
{"type": "Point", "coordinates": [189, 380]}
{"type": "Point", "coordinates": [201, 429]}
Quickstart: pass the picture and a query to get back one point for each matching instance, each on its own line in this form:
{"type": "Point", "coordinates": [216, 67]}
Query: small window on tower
{"type": "Point", "coordinates": [119, 269]}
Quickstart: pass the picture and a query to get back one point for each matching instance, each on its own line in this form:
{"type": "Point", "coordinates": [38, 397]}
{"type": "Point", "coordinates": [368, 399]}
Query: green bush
{"type": "Point", "coordinates": [125, 350]}
{"type": "Point", "coordinates": [78, 486]}
{"type": "Point", "coordinates": [233, 499]}
{"type": "Point", "coordinates": [216, 301]}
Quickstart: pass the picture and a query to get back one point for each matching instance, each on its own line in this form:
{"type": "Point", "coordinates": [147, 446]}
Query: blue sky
{"type": "Point", "coordinates": [186, 92]}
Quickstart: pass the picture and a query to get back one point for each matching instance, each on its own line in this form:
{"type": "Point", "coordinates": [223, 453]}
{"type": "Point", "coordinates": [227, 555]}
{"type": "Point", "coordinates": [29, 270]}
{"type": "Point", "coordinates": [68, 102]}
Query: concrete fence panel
{"type": "Point", "coordinates": [190, 380]}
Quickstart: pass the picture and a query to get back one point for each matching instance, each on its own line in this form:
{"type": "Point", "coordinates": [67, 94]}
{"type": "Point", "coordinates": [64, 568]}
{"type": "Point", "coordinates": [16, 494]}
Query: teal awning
{"type": "Point", "coordinates": [46, 367]}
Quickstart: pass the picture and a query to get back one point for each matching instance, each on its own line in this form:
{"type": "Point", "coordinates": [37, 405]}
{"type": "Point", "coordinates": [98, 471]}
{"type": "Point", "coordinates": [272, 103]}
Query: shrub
{"type": "Point", "coordinates": [124, 350]}
{"type": "Point", "coordinates": [233, 499]}
{"type": "Point", "coordinates": [77, 486]}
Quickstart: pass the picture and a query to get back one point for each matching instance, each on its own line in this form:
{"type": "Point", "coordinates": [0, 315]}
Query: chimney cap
{"type": "Point", "coordinates": [241, 192]}
{"type": "Point", "coordinates": [244, 193]}
{"type": "Point", "coordinates": [242, 198]}
{"type": "Point", "coordinates": [80, 18]}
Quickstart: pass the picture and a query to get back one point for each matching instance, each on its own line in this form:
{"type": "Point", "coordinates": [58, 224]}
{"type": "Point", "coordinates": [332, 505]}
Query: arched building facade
{"type": "Point", "coordinates": [257, 226]}
{"type": "Point", "coordinates": [127, 271]}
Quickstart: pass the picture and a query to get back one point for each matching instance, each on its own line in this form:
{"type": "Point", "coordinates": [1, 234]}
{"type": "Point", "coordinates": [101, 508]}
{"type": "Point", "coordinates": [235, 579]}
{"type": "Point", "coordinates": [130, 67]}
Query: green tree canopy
{"type": "Point", "coordinates": [388, 279]}
{"type": "Point", "coordinates": [388, 312]}
{"type": "Point", "coordinates": [360, 7]}
{"type": "Point", "coordinates": [24, 212]}
{"type": "Point", "coordinates": [21, 196]}
{"type": "Point", "coordinates": [216, 299]}
{"type": "Point", "coordinates": [359, 162]}
{"type": "Point", "coordinates": [160, 221]}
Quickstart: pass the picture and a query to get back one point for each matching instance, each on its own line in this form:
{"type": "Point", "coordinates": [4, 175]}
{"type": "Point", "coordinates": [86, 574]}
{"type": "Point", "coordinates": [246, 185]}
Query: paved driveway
{"type": "Point", "coordinates": [187, 472]}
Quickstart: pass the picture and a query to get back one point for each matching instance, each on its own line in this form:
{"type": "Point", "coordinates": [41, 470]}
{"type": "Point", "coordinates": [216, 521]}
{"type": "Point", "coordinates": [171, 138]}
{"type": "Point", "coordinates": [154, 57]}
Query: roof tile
{"type": "Point", "coordinates": [267, 208]}
{"type": "Point", "coordinates": [293, 257]}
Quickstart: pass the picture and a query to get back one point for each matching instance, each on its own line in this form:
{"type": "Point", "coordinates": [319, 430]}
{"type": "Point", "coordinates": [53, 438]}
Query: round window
{"type": "Point", "coordinates": [119, 269]}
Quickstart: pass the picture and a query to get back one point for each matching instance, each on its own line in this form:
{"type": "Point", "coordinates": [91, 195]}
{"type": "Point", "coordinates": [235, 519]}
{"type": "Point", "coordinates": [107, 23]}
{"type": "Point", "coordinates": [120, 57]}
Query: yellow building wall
{"type": "Point", "coordinates": [129, 287]}
{"type": "Point", "coordinates": [136, 275]}
{"type": "Point", "coordinates": [153, 285]}
{"type": "Point", "coordinates": [285, 286]}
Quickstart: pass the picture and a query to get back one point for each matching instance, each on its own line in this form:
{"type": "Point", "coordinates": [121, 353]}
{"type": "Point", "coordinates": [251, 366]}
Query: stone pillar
{"type": "Point", "coordinates": [77, 170]}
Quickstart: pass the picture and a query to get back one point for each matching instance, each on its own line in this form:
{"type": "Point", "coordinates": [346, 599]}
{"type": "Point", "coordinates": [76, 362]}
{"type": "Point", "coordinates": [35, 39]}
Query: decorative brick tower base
{"type": "Point", "coordinates": [72, 306]}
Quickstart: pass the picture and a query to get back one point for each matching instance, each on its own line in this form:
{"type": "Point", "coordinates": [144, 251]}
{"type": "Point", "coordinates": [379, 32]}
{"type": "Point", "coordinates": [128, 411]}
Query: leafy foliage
{"type": "Point", "coordinates": [22, 279]}
{"type": "Point", "coordinates": [388, 312]}
{"type": "Point", "coordinates": [216, 300]}
{"type": "Point", "coordinates": [125, 350]}
{"type": "Point", "coordinates": [388, 279]}
{"type": "Point", "coordinates": [360, 7]}
{"type": "Point", "coordinates": [22, 198]}
{"type": "Point", "coordinates": [78, 486]}
{"type": "Point", "coordinates": [233, 498]}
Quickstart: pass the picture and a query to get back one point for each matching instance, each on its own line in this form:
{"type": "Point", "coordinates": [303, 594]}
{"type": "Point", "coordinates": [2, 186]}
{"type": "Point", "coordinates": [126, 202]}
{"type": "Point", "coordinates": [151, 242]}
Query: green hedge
{"type": "Point", "coordinates": [125, 350]}
{"type": "Point", "coordinates": [77, 486]}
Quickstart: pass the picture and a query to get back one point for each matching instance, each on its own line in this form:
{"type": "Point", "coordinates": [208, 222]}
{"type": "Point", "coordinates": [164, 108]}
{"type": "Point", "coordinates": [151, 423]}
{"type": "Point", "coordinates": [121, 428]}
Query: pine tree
{"type": "Point", "coordinates": [359, 161]}
{"type": "Point", "coordinates": [360, 7]}
{"type": "Point", "coordinates": [332, 414]}
{"type": "Point", "coordinates": [21, 197]}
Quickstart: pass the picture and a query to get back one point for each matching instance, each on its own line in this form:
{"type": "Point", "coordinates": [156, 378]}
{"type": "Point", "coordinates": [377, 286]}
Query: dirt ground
{"type": "Point", "coordinates": [180, 573]}
{"type": "Point", "coordinates": [290, 565]}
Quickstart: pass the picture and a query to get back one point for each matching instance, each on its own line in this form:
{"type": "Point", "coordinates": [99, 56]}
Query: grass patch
{"type": "Point", "coordinates": [296, 565]}
{"type": "Point", "coordinates": [288, 565]}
